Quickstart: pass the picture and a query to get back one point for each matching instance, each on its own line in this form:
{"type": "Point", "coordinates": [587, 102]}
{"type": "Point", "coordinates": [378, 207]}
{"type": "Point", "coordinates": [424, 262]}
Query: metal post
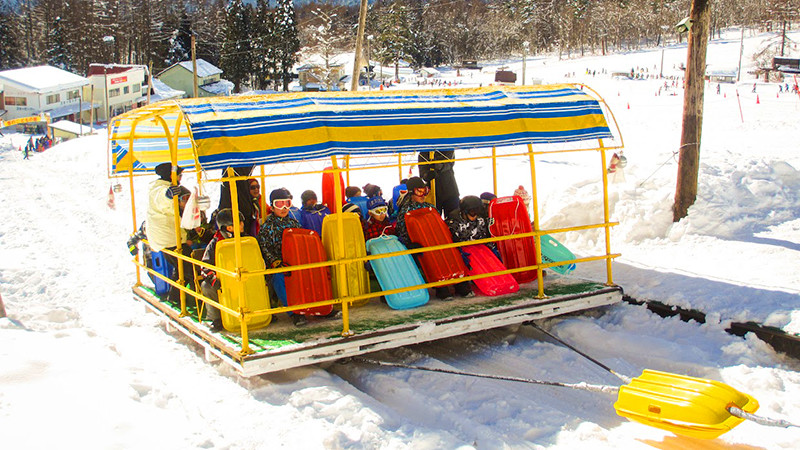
{"type": "Point", "coordinates": [538, 238]}
{"type": "Point", "coordinates": [606, 213]}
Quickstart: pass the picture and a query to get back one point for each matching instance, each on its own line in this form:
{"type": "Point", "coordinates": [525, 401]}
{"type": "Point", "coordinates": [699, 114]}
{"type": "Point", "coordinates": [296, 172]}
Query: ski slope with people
{"type": "Point", "coordinates": [84, 366]}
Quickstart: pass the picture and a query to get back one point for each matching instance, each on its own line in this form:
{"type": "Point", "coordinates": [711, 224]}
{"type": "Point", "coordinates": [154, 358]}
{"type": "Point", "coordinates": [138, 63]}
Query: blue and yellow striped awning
{"type": "Point", "coordinates": [219, 132]}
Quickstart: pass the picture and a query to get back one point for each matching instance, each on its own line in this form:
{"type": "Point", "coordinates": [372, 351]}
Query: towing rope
{"type": "Point", "coordinates": [579, 386]}
{"type": "Point", "coordinates": [766, 421]}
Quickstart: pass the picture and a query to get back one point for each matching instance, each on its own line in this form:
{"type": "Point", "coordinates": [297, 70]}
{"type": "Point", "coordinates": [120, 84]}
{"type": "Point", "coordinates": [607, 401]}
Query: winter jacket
{"type": "Point", "coordinates": [445, 186]}
{"type": "Point", "coordinates": [270, 238]}
{"type": "Point", "coordinates": [374, 228]}
{"type": "Point", "coordinates": [161, 218]}
{"type": "Point", "coordinates": [244, 199]}
{"type": "Point", "coordinates": [400, 229]}
{"type": "Point", "coordinates": [311, 217]}
{"type": "Point", "coordinates": [210, 257]}
{"type": "Point", "coordinates": [464, 230]}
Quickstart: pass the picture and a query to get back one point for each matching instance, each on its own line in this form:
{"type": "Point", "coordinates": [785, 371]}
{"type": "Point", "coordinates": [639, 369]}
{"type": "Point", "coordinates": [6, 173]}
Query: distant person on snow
{"type": "Point", "coordinates": [161, 224]}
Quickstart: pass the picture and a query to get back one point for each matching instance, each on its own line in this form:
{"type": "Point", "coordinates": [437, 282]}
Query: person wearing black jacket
{"type": "Point", "coordinates": [244, 202]}
{"type": "Point", "coordinates": [446, 188]}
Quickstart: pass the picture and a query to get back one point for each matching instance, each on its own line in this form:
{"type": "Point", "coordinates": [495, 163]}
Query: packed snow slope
{"type": "Point", "coordinates": [83, 366]}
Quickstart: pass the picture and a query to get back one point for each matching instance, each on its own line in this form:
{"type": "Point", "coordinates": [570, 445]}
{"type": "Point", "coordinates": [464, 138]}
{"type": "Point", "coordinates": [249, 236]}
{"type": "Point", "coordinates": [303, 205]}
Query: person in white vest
{"type": "Point", "coordinates": [161, 225]}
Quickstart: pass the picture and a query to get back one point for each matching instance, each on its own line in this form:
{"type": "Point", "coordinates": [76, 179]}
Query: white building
{"type": "Point", "coordinates": [31, 91]}
{"type": "Point", "coordinates": [117, 88]}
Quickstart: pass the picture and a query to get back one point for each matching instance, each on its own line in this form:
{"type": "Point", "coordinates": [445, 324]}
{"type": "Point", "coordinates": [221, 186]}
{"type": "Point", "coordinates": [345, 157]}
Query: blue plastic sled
{"type": "Point", "coordinates": [554, 251]}
{"type": "Point", "coordinates": [397, 272]}
{"type": "Point", "coordinates": [161, 266]}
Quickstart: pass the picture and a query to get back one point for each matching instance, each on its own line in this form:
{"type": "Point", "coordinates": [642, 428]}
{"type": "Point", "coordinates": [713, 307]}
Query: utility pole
{"type": "Point", "coordinates": [149, 80]}
{"type": "Point", "coordinates": [194, 70]}
{"type": "Point", "coordinates": [689, 159]}
{"type": "Point", "coordinates": [362, 20]}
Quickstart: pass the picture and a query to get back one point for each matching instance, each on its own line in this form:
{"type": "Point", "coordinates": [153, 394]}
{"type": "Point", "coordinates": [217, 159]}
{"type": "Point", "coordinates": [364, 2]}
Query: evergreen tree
{"type": "Point", "coordinates": [263, 56]}
{"type": "Point", "coordinates": [234, 56]}
{"type": "Point", "coordinates": [287, 43]}
{"type": "Point", "coordinates": [57, 53]}
{"type": "Point", "coordinates": [10, 56]}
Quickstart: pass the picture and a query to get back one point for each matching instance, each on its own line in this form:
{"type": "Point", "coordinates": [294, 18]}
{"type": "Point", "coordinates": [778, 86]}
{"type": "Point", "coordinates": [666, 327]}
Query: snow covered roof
{"type": "Point", "coordinates": [204, 68]}
{"type": "Point", "coordinates": [221, 87]}
{"type": "Point", "coordinates": [66, 110]}
{"type": "Point", "coordinates": [163, 92]}
{"type": "Point", "coordinates": [41, 79]}
{"type": "Point", "coordinates": [71, 127]}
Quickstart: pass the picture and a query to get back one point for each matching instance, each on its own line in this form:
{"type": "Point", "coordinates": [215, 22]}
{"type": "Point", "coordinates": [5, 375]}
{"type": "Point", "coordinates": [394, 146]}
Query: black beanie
{"type": "Point", "coordinates": [415, 183]}
{"type": "Point", "coordinates": [164, 170]}
{"type": "Point", "coordinates": [307, 195]}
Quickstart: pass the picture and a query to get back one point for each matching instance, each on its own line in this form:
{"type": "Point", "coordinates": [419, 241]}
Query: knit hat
{"type": "Point", "coordinates": [487, 197]}
{"type": "Point", "coordinates": [351, 207]}
{"type": "Point", "coordinates": [415, 183]}
{"type": "Point", "coordinates": [371, 190]}
{"type": "Point", "coordinates": [164, 170]}
{"type": "Point", "coordinates": [523, 194]}
{"type": "Point", "coordinates": [279, 194]}
{"type": "Point", "coordinates": [307, 195]}
{"type": "Point", "coordinates": [375, 202]}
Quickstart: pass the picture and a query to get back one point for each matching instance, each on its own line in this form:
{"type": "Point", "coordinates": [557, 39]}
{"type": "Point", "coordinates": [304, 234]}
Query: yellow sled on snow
{"type": "Point", "coordinates": [681, 404]}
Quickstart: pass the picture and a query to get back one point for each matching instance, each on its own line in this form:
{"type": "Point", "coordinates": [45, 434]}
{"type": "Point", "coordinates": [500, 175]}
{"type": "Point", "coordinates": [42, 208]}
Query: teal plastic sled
{"type": "Point", "coordinates": [397, 272]}
{"type": "Point", "coordinates": [554, 251]}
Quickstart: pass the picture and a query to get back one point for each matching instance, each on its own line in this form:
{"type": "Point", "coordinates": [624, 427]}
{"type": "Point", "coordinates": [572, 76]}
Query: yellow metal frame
{"type": "Point", "coordinates": [351, 164]}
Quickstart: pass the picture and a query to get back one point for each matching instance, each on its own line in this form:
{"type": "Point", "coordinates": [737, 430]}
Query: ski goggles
{"type": "Point", "coordinates": [282, 204]}
{"type": "Point", "coordinates": [421, 192]}
{"type": "Point", "coordinates": [379, 210]}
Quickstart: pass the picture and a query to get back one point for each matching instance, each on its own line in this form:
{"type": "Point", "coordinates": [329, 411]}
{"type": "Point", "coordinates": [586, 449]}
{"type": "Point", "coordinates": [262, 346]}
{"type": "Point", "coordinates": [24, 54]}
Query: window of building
{"type": "Point", "coordinates": [72, 95]}
{"type": "Point", "coordinates": [137, 87]}
{"type": "Point", "coordinates": [126, 90]}
{"type": "Point", "coordinates": [16, 101]}
{"type": "Point", "coordinates": [113, 92]}
{"type": "Point", "coordinates": [53, 98]}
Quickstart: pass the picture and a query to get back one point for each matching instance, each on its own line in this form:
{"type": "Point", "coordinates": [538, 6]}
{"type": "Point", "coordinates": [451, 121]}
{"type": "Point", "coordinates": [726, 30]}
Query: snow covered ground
{"type": "Point", "coordinates": [82, 366]}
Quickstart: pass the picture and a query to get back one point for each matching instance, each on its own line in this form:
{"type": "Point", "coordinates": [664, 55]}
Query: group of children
{"type": "Point", "coordinates": [468, 222]}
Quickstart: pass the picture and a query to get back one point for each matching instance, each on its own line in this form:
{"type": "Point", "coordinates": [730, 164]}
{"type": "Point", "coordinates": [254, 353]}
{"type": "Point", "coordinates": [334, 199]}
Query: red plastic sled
{"type": "Point", "coordinates": [511, 217]}
{"type": "Point", "coordinates": [482, 260]}
{"type": "Point", "coordinates": [426, 227]}
{"type": "Point", "coordinates": [328, 193]}
{"type": "Point", "coordinates": [301, 246]}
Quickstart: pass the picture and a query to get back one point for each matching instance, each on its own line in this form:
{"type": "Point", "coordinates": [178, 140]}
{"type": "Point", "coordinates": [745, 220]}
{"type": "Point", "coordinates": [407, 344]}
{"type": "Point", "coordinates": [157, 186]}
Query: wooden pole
{"type": "Point", "coordinates": [362, 20]}
{"type": "Point", "coordinates": [689, 160]}
{"type": "Point", "coordinates": [194, 69]}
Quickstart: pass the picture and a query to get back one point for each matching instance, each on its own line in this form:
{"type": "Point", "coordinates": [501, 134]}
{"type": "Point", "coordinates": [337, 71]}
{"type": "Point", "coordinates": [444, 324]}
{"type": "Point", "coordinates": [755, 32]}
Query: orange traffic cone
{"type": "Point", "coordinates": [629, 105]}
{"type": "Point", "coordinates": [758, 102]}
{"type": "Point", "coordinates": [724, 95]}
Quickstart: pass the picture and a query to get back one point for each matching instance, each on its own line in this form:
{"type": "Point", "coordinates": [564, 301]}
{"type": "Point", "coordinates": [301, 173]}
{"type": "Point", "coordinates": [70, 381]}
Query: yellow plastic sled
{"type": "Point", "coordinates": [684, 405]}
{"type": "Point", "coordinates": [353, 235]}
{"type": "Point", "coordinates": [255, 289]}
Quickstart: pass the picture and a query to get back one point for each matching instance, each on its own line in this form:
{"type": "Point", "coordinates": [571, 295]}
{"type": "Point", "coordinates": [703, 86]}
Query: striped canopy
{"type": "Point", "coordinates": [219, 132]}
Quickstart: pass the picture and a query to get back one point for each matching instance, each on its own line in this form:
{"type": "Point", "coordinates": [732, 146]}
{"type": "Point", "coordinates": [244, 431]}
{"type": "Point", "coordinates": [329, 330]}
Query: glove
{"type": "Point", "coordinates": [132, 246]}
{"type": "Point", "coordinates": [413, 245]}
{"type": "Point", "coordinates": [277, 263]}
{"type": "Point", "coordinates": [491, 221]}
{"type": "Point", "coordinates": [172, 191]}
{"type": "Point", "coordinates": [216, 284]}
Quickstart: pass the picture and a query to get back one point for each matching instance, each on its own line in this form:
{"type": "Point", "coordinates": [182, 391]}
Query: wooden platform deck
{"type": "Point", "coordinates": [375, 326]}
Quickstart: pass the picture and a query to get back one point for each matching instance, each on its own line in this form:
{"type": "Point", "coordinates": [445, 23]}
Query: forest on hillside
{"type": "Point", "coordinates": [257, 43]}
